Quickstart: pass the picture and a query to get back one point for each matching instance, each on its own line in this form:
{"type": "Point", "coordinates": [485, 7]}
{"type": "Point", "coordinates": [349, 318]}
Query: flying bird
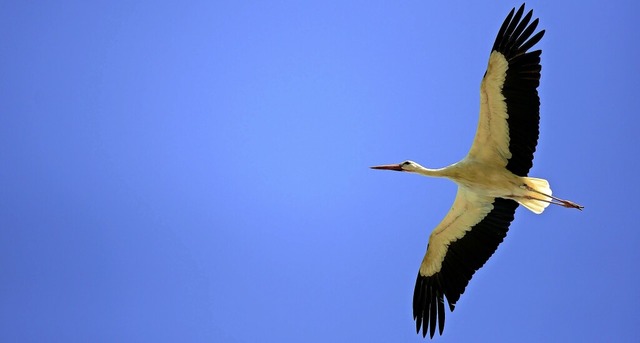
{"type": "Point", "coordinates": [492, 179]}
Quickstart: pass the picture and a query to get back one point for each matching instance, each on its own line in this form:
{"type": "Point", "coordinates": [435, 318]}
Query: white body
{"type": "Point", "coordinates": [490, 178]}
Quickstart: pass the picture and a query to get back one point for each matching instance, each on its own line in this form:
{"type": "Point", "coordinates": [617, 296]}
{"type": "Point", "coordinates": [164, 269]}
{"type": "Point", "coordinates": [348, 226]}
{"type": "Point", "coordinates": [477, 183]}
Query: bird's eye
{"type": "Point", "coordinates": [405, 163]}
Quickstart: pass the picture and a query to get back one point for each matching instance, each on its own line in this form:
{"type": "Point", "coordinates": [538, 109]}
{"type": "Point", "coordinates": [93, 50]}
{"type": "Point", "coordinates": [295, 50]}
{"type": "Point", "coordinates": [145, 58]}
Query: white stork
{"type": "Point", "coordinates": [492, 179]}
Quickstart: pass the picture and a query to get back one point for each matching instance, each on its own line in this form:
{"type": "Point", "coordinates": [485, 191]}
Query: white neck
{"type": "Point", "coordinates": [440, 172]}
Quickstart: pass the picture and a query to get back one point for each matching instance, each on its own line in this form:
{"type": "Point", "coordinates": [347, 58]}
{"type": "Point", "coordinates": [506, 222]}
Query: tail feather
{"type": "Point", "coordinates": [538, 197]}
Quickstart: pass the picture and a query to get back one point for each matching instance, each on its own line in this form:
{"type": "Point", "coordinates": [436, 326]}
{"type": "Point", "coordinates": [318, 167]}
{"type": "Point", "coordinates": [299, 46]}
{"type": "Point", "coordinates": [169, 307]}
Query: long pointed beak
{"type": "Point", "coordinates": [395, 167]}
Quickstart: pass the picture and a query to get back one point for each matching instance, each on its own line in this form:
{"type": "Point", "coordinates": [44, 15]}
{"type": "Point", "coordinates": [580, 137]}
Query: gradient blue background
{"type": "Point", "coordinates": [198, 171]}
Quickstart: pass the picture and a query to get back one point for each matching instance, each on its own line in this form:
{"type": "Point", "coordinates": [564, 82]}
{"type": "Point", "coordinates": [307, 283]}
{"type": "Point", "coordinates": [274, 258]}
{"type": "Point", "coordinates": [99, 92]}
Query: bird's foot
{"type": "Point", "coordinates": [554, 200]}
{"type": "Point", "coordinates": [569, 204]}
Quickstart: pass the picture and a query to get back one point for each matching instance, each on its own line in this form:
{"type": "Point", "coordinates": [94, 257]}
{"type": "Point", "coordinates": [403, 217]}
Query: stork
{"type": "Point", "coordinates": [492, 179]}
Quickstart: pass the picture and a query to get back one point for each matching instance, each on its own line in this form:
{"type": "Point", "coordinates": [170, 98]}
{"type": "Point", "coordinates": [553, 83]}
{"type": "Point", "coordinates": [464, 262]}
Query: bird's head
{"type": "Point", "coordinates": [406, 166]}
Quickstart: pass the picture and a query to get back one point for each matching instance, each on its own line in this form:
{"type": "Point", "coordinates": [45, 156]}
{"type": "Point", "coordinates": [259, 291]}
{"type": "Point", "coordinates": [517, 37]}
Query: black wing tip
{"type": "Point", "coordinates": [428, 305]}
{"type": "Point", "coordinates": [513, 37]}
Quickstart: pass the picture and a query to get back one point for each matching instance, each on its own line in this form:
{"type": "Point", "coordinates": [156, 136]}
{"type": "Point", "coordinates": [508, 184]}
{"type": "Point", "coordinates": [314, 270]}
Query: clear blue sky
{"type": "Point", "coordinates": [197, 171]}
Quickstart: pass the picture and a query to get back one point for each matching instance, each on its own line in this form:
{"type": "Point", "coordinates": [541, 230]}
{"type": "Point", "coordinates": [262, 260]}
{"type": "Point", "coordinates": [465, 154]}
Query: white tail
{"type": "Point", "coordinates": [537, 195]}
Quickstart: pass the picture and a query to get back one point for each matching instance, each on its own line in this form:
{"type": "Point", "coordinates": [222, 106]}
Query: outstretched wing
{"type": "Point", "coordinates": [458, 246]}
{"type": "Point", "coordinates": [507, 132]}
{"type": "Point", "coordinates": [507, 136]}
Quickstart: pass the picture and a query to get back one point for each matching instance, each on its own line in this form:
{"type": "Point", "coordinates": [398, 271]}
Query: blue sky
{"type": "Point", "coordinates": [198, 171]}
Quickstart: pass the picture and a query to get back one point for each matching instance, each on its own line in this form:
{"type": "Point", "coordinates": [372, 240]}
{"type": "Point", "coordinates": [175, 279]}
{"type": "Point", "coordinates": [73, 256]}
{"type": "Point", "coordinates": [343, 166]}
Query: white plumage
{"type": "Point", "coordinates": [492, 179]}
